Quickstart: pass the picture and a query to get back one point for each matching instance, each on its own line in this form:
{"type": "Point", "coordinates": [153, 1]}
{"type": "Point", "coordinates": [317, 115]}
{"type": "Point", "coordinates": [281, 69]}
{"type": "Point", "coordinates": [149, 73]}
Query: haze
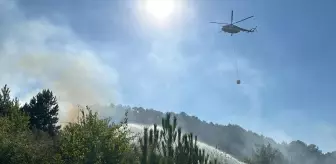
{"type": "Point", "coordinates": [132, 53]}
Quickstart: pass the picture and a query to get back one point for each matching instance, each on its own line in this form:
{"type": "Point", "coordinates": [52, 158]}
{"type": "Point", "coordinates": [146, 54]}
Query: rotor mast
{"type": "Point", "coordinates": [231, 16]}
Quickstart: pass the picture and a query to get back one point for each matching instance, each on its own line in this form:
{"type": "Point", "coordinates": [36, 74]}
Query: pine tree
{"type": "Point", "coordinates": [43, 111]}
{"type": "Point", "coordinates": [150, 146]}
{"type": "Point", "coordinates": [169, 146]}
{"type": "Point", "coordinates": [6, 103]}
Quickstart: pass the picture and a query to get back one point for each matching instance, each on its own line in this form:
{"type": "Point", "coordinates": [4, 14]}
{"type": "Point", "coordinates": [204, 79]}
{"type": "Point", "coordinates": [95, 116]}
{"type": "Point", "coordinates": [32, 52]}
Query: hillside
{"type": "Point", "coordinates": [232, 139]}
{"type": "Point", "coordinates": [31, 128]}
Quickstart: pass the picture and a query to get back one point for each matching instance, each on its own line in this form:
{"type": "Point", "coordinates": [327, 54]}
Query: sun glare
{"type": "Point", "coordinates": [160, 9]}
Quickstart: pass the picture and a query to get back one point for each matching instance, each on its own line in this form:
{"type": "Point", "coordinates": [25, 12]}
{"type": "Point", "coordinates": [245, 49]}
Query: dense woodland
{"type": "Point", "coordinates": [30, 135]}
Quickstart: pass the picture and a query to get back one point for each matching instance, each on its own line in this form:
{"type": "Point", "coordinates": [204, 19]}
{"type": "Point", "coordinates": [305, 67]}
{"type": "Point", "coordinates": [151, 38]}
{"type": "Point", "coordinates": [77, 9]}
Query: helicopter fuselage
{"type": "Point", "coordinates": [233, 29]}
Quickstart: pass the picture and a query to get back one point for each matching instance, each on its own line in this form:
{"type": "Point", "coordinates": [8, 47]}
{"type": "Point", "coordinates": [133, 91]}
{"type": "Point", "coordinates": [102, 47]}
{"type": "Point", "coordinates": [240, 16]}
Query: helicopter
{"type": "Point", "coordinates": [232, 28]}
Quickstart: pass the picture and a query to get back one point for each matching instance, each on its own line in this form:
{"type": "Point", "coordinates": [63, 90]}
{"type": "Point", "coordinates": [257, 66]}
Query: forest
{"type": "Point", "coordinates": [31, 134]}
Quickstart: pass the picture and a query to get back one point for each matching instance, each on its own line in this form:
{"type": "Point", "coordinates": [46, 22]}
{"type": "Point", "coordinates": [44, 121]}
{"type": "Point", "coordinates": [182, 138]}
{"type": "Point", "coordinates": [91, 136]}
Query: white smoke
{"type": "Point", "coordinates": [35, 52]}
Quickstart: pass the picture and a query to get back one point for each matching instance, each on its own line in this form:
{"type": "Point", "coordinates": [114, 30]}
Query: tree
{"type": "Point", "coordinates": [19, 145]}
{"type": "Point", "coordinates": [43, 112]}
{"type": "Point", "coordinates": [92, 140]}
{"type": "Point", "coordinates": [6, 103]}
{"type": "Point", "coordinates": [267, 155]}
{"type": "Point", "coordinates": [170, 146]}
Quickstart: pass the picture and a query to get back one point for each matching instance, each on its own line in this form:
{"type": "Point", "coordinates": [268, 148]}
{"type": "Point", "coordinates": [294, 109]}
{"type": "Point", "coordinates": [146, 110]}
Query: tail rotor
{"type": "Point", "coordinates": [254, 29]}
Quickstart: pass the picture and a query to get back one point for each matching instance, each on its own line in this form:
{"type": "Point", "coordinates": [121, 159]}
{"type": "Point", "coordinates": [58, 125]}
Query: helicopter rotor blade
{"type": "Point", "coordinates": [243, 19]}
{"type": "Point", "coordinates": [231, 16]}
{"type": "Point", "coordinates": [218, 23]}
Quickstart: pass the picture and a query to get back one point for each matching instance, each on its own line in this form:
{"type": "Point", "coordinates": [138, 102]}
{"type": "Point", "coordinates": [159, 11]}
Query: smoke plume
{"type": "Point", "coordinates": [36, 54]}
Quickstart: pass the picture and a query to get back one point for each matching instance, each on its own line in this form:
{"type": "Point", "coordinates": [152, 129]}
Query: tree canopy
{"type": "Point", "coordinates": [43, 112]}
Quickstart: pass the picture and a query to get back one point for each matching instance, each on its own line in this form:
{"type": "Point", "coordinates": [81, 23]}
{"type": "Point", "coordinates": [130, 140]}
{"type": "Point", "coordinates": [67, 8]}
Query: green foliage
{"type": "Point", "coordinates": [16, 121]}
{"type": "Point", "coordinates": [43, 112]}
{"type": "Point", "coordinates": [19, 145]}
{"type": "Point", "coordinates": [266, 155]}
{"type": "Point", "coordinates": [149, 145]}
{"type": "Point", "coordinates": [170, 146]}
{"type": "Point", "coordinates": [92, 140]}
{"type": "Point", "coordinates": [30, 135]}
{"type": "Point", "coordinates": [6, 103]}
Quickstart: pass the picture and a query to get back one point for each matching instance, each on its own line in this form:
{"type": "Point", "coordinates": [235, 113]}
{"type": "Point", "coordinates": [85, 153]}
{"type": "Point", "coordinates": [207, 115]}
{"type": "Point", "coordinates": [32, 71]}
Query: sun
{"type": "Point", "coordinates": [160, 9]}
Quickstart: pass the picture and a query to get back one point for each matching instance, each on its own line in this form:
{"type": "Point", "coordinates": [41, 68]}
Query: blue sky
{"type": "Point", "coordinates": [111, 51]}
